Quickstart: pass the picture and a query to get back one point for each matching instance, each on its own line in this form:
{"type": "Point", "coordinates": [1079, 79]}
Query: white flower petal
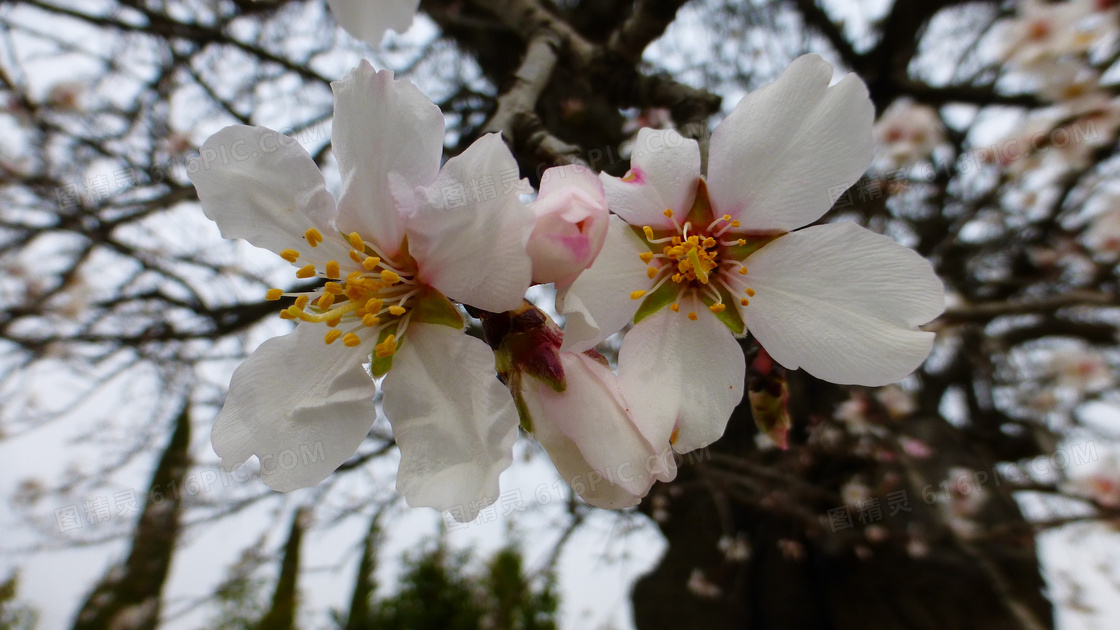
{"type": "Point", "coordinates": [368, 20]}
{"type": "Point", "coordinates": [452, 418]}
{"type": "Point", "coordinates": [682, 375]}
{"type": "Point", "coordinates": [590, 437]}
{"type": "Point", "coordinates": [843, 303]}
{"type": "Point", "coordinates": [262, 186]}
{"type": "Point", "coordinates": [790, 148]}
{"type": "Point", "coordinates": [301, 406]}
{"type": "Point", "coordinates": [598, 304]}
{"type": "Point", "coordinates": [664, 169]}
{"type": "Point", "coordinates": [380, 126]}
{"type": "Point", "coordinates": [472, 245]}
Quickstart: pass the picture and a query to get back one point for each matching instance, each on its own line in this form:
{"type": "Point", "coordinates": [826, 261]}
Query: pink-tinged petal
{"type": "Point", "coordinates": [302, 407]}
{"type": "Point", "coordinates": [681, 376]}
{"type": "Point", "coordinates": [590, 437]}
{"type": "Point", "coordinates": [598, 304]}
{"type": "Point", "coordinates": [468, 236]}
{"type": "Point", "coordinates": [790, 148]}
{"type": "Point", "coordinates": [664, 169]}
{"type": "Point", "coordinates": [572, 217]}
{"type": "Point", "coordinates": [452, 418]}
{"type": "Point", "coordinates": [262, 186]}
{"type": "Point", "coordinates": [368, 20]}
{"type": "Point", "coordinates": [381, 126]}
{"type": "Point", "coordinates": [842, 303]}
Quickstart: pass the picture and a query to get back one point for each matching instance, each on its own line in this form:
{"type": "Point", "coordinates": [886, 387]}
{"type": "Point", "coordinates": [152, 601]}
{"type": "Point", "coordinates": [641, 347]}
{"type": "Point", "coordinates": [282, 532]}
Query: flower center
{"type": "Point", "coordinates": [363, 294]}
{"type": "Point", "coordinates": [698, 261]}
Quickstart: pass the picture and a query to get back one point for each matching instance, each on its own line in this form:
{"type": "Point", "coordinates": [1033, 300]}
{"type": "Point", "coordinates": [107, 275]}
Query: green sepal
{"type": "Point", "coordinates": [730, 315]}
{"type": "Point", "coordinates": [754, 242]}
{"type": "Point", "coordinates": [379, 366]}
{"type": "Point", "coordinates": [434, 308]}
{"type": "Point", "coordinates": [665, 295]}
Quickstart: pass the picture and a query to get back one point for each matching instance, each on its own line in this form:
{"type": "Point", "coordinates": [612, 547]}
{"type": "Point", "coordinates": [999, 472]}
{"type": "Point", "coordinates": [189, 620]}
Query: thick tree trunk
{"type": "Point", "coordinates": [905, 571]}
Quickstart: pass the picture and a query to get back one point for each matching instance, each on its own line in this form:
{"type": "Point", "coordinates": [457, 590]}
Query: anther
{"type": "Point", "coordinates": [332, 336]}
{"type": "Point", "coordinates": [290, 255]}
{"type": "Point", "coordinates": [637, 295]}
{"type": "Point", "coordinates": [294, 311]}
{"type": "Point", "coordinates": [648, 232]}
{"type": "Point", "coordinates": [306, 272]}
{"type": "Point", "coordinates": [750, 292]}
{"type": "Point", "coordinates": [668, 212]}
{"type": "Point", "coordinates": [334, 321]}
{"type": "Point", "coordinates": [351, 340]}
{"type": "Point", "coordinates": [692, 316]}
{"type": "Point", "coordinates": [646, 257]}
{"type": "Point", "coordinates": [333, 271]}
{"type": "Point", "coordinates": [333, 287]}
{"type": "Point", "coordinates": [284, 314]}
{"type": "Point", "coordinates": [273, 294]}
{"type": "Point", "coordinates": [373, 305]}
{"type": "Point", "coordinates": [676, 308]}
{"type": "Point", "coordinates": [717, 308]}
{"type": "Point", "coordinates": [744, 301]}
{"type": "Point", "coordinates": [356, 241]}
{"type": "Point", "coordinates": [386, 348]}
{"type": "Point", "coordinates": [314, 237]}
{"type": "Point", "coordinates": [301, 302]}
{"type": "Point", "coordinates": [325, 301]}
{"type": "Point", "coordinates": [370, 320]}
{"type": "Point", "coordinates": [357, 257]}
{"type": "Point", "coordinates": [734, 224]}
{"type": "Point", "coordinates": [389, 277]}
{"type": "Point", "coordinates": [371, 263]}
{"type": "Point", "coordinates": [743, 270]}
{"type": "Point", "coordinates": [397, 310]}
{"type": "Point", "coordinates": [651, 272]}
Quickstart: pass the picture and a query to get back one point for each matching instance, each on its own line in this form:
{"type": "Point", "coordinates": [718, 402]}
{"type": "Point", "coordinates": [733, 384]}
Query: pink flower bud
{"type": "Point", "coordinates": [571, 225]}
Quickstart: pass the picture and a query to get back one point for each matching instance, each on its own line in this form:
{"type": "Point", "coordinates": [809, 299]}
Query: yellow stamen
{"type": "Point", "coordinates": [648, 232]}
{"type": "Point", "coordinates": [370, 320]}
{"type": "Point", "coordinates": [301, 302]}
{"type": "Point", "coordinates": [637, 295]}
{"type": "Point", "coordinates": [676, 308]}
{"type": "Point", "coordinates": [294, 312]}
{"type": "Point", "coordinates": [290, 255]}
{"type": "Point", "coordinates": [389, 277]}
{"type": "Point", "coordinates": [373, 305]}
{"type": "Point", "coordinates": [333, 287]}
{"type": "Point", "coordinates": [354, 277]}
{"type": "Point", "coordinates": [717, 308]}
{"type": "Point", "coordinates": [668, 212]}
{"type": "Point", "coordinates": [386, 348]}
{"type": "Point", "coordinates": [306, 272]}
{"type": "Point", "coordinates": [397, 310]}
{"type": "Point", "coordinates": [314, 237]}
{"type": "Point", "coordinates": [750, 292]}
{"type": "Point", "coordinates": [351, 340]}
{"type": "Point", "coordinates": [356, 257]}
{"type": "Point", "coordinates": [726, 217]}
{"type": "Point", "coordinates": [743, 270]}
{"type": "Point", "coordinates": [356, 241]}
{"type": "Point", "coordinates": [692, 316]}
{"type": "Point", "coordinates": [646, 257]}
{"type": "Point", "coordinates": [651, 272]}
{"type": "Point", "coordinates": [734, 224]}
{"type": "Point", "coordinates": [742, 241]}
{"type": "Point", "coordinates": [334, 321]}
{"type": "Point", "coordinates": [371, 263]}
{"type": "Point", "coordinates": [677, 277]}
{"type": "Point", "coordinates": [273, 294]}
{"type": "Point", "coordinates": [744, 301]}
{"type": "Point", "coordinates": [332, 270]}
{"type": "Point", "coordinates": [325, 301]}
{"type": "Point", "coordinates": [332, 336]}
